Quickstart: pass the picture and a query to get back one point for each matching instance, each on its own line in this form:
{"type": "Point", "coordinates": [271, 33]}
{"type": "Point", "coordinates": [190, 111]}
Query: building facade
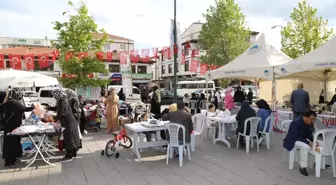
{"type": "Point", "coordinates": [189, 37]}
{"type": "Point", "coordinates": [142, 72]}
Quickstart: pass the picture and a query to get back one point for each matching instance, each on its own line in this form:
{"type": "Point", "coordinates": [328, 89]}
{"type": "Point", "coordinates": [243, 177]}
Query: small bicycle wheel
{"type": "Point", "coordinates": [96, 129]}
{"type": "Point", "coordinates": [110, 148]}
{"type": "Point", "coordinates": [126, 142]}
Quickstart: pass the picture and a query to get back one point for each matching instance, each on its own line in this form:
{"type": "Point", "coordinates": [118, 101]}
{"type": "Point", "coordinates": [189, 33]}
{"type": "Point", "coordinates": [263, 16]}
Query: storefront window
{"type": "Point", "coordinates": [114, 68]}
{"type": "Point", "coordinates": [186, 65]}
{"type": "Point", "coordinates": [142, 69]}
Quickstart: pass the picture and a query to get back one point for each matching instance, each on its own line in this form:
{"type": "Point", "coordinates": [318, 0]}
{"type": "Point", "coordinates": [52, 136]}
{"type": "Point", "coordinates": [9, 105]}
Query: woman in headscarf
{"type": "Point", "coordinates": [239, 95]}
{"type": "Point", "coordinates": [244, 113]}
{"type": "Point", "coordinates": [82, 120]}
{"type": "Point", "coordinates": [250, 96]}
{"type": "Point", "coordinates": [264, 112]}
{"type": "Point", "coordinates": [75, 107]}
{"type": "Point", "coordinates": [121, 95]}
{"type": "Point", "coordinates": [69, 122]}
{"type": "Point", "coordinates": [13, 109]}
{"type": "Point", "coordinates": [156, 101]}
{"type": "Point", "coordinates": [228, 99]}
{"type": "Point", "coordinates": [112, 111]}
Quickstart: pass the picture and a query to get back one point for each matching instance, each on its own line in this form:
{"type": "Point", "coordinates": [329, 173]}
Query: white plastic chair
{"type": "Point", "coordinates": [148, 108]}
{"type": "Point", "coordinates": [193, 106]}
{"type": "Point", "coordinates": [198, 120]}
{"type": "Point", "coordinates": [202, 105]}
{"type": "Point", "coordinates": [284, 127]}
{"type": "Point", "coordinates": [327, 149]}
{"type": "Point", "coordinates": [267, 134]}
{"type": "Point", "coordinates": [173, 130]}
{"type": "Point", "coordinates": [254, 122]}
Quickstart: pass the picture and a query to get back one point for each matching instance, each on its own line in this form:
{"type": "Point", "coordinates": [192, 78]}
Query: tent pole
{"type": "Point", "coordinates": [273, 91]}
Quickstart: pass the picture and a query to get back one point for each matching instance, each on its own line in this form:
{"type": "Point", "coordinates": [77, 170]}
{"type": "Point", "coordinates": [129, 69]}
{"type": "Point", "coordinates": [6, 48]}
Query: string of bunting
{"type": "Point", "coordinates": [47, 59]}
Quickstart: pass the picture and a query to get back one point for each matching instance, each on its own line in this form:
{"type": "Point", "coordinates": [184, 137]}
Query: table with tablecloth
{"type": "Point", "coordinates": [226, 128]}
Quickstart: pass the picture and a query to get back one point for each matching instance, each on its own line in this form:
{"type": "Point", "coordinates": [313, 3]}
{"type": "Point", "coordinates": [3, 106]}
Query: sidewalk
{"type": "Point", "coordinates": [212, 164]}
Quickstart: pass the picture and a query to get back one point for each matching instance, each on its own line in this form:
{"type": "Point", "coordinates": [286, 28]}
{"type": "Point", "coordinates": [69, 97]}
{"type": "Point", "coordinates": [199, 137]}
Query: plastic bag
{"type": "Point", "coordinates": [39, 110]}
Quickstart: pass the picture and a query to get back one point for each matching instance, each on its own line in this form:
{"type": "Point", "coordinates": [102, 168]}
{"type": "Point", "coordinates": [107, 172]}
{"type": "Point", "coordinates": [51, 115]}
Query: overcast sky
{"type": "Point", "coordinates": [146, 21]}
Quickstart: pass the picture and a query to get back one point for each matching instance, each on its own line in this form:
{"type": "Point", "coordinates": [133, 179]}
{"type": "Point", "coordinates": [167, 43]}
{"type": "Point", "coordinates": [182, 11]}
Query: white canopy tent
{"type": "Point", "coordinates": [17, 78]}
{"type": "Point", "coordinates": [319, 64]}
{"type": "Point", "coordinates": [256, 62]}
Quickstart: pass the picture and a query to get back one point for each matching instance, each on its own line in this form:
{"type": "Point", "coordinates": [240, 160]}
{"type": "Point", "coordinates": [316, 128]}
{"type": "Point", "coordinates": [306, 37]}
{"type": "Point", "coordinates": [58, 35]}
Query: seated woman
{"type": "Point", "coordinates": [244, 113]}
{"type": "Point", "coordinates": [222, 111]}
{"type": "Point", "coordinates": [264, 112]}
{"type": "Point", "coordinates": [171, 108]}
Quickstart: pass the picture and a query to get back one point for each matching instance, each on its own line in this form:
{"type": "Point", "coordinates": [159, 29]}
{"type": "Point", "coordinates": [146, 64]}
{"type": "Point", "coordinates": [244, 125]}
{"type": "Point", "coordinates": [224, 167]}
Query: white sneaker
{"type": "Point", "coordinates": [85, 132]}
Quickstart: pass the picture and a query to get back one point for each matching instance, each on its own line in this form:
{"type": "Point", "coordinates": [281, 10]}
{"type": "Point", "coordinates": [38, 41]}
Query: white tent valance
{"type": "Point", "coordinates": [17, 78]}
{"type": "Point", "coordinates": [256, 62]}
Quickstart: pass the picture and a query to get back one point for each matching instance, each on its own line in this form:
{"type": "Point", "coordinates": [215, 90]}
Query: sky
{"type": "Point", "coordinates": [147, 22]}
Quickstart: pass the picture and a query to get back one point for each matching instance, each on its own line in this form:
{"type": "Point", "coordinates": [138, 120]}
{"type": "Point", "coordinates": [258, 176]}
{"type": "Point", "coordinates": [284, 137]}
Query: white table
{"type": "Point", "coordinates": [222, 129]}
{"type": "Point", "coordinates": [137, 129]}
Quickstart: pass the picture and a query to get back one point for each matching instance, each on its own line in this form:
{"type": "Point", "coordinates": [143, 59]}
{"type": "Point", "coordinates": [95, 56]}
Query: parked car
{"type": "Point", "coordinates": [32, 95]}
{"type": "Point", "coordinates": [45, 97]}
{"type": "Point", "coordinates": [167, 97]}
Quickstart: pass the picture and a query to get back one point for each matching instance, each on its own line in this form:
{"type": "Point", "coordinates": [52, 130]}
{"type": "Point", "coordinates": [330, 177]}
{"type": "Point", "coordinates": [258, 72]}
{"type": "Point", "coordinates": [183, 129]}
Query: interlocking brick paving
{"type": "Point", "coordinates": [210, 164]}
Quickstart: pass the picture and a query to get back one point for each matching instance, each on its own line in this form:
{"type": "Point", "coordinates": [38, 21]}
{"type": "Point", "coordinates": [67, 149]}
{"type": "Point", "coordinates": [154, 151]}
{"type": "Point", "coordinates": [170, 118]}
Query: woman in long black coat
{"type": "Point", "coordinates": [13, 110]}
{"type": "Point", "coordinates": [69, 122]}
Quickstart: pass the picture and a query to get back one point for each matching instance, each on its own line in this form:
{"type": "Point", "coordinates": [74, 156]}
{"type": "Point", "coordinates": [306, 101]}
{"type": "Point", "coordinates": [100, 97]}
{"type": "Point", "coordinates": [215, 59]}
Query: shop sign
{"type": "Point", "coordinates": [142, 76]}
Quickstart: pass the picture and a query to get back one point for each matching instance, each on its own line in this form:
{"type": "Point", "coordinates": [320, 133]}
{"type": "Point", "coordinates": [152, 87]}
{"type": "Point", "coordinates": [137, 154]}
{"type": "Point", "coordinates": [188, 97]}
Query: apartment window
{"type": "Point", "coordinates": [186, 65]}
{"type": "Point", "coordinates": [170, 68]}
{"type": "Point", "coordinates": [142, 69]}
{"type": "Point", "coordinates": [114, 68]}
{"type": "Point", "coordinates": [186, 51]}
{"type": "Point", "coordinates": [163, 69]}
{"type": "Point", "coordinates": [107, 47]}
{"type": "Point", "coordinates": [133, 69]}
{"type": "Point", "coordinates": [122, 46]}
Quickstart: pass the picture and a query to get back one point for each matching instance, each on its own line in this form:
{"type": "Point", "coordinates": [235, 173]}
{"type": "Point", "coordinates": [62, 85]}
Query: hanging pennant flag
{"type": "Point", "coordinates": [15, 61]}
{"type": "Point", "coordinates": [187, 46]}
{"type": "Point", "coordinates": [155, 52]}
{"type": "Point", "coordinates": [194, 52]}
{"type": "Point", "coordinates": [145, 55]}
{"type": "Point", "coordinates": [100, 55]}
{"type": "Point", "coordinates": [2, 62]}
{"type": "Point", "coordinates": [166, 53]}
{"type": "Point", "coordinates": [68, 56]}
{"type": "Point", "coordinates": [203, 69]}
{"type": "Point", "coordinates": [90, 75]}
{"type": "Point", "coordinates": [55, 55]}
{"type": "Point", "coordinates": [134, 56]}
{"type": "Point", "coordinates": [43, 61]}
{"type": "Point", "coordinates": [123, 57]}
{"type": "Point", "coordinates": [82, 55]}
{"type": "Point", "coordinates": [29, 61]}
{"type": "Point", "coordinates": [109, 56]}
{"type": "Point", "coordinates": [183, 59]}
{"type": "Point", "coordinates": [194, 66]}
{"type": "Point", "coordinates": [213, 67]}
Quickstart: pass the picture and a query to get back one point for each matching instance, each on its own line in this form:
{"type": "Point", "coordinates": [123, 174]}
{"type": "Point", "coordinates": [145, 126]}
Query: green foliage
{"type": "Point", "coordinates": [80, 34]}
{"type": "Point", "coordinates": [305, 32]}
{"type": "Point", "coordinates": [224, 35]}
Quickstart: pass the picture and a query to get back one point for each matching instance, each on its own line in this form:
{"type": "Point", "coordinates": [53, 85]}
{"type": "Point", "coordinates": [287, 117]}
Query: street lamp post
{"type": "Point", "coordinates": [175, 47]}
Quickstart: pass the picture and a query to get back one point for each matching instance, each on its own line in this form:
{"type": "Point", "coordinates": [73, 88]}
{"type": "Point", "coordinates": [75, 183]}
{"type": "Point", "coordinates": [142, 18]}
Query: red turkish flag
{"type": "Point", "coordinates": [55, 55]}
{"type": "Point", "coordinates": [193, 66]}
{"type": "Point", "coordinates": [64, 75]}
{"type": "Point", "coordinates": [166, 53]}
{"type": "Point", "coordinates": [109, 56]}
{"type": "Point", "coordinates": [213, 67]}
{"type": "Point", "coordinates": [155, 52]}
{"type": "Point", "coordinates": [15, 61]}
{"type": "Point", "coordinates": [187, 45]}
{"type": "Point", "coordinates": [145, 55]}
{"type": "Point", "coordinates": [203, 69]}
{"type": "Point", "coordinates": [90, 75]}
{"type": "Point", "coordinates": [68, 55]}
{"type": "Point", "coordinates": [194, 52]}
{"type": "Point", "coordinates": [183, 59]}
{"type": "Point", "coordinates": [100, 55]}
{"type": "Point", "coordinates": [43, 61]}
{"type": "Point", "coordinates": [82, 55]}
{"type": "Point", "coordinates": [123, 57]}
{"type": "Point", "coordinates": [2, 62]}
{"type": "Point", "coordinates": [29, 61]}
{"type": "Point", "coordinates": [134, 56]}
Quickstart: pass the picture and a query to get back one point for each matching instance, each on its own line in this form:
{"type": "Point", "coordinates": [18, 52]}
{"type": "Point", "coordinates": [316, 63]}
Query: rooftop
{"type": "Point", "coordinates": [113, 37]}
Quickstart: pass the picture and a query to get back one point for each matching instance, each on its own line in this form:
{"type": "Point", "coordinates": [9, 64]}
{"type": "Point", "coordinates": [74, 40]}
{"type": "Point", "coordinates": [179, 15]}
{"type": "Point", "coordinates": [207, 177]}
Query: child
{"type": "Point", "coordinates": [145, 117]}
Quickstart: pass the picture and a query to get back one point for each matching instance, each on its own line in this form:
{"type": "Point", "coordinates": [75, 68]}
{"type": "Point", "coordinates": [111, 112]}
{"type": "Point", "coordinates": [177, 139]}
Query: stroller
{"type": "Point", "coordinates": [93, 120]}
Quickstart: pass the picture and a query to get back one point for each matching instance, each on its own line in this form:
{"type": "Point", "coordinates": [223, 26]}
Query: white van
{"type": "Point", "coordinates": [189, 87]}
{"type": "Point", "coordinates": [136, 92]}
{"type": "Point", "coordinates": [45, 97]}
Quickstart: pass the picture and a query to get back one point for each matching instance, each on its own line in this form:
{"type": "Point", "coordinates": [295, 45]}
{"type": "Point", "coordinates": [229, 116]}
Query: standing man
{"type": "Point", "coordinates": [144, 94]}
{"type": "Point", "coordinates": [300, 101]}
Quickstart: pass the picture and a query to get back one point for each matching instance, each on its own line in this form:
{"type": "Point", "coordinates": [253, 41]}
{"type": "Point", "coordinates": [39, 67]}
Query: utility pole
{"type": "Point", "coordinates": [175, 48]}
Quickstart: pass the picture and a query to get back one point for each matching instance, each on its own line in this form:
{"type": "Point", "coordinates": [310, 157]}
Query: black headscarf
{"type": "Point", "coordinates": [15, 94]}
{"type": "Point", "coordinates": [121, 95]}
{"type": "Point", "coordinates": [245, 107]}
{"type": "Point", "coordinates": [262, 104]}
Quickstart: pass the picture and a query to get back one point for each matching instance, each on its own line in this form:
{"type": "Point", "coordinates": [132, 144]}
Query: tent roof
{"type": "Point", "coordinates": [255, 62]}
{"type": "Point", "coordinates": [315, 62]}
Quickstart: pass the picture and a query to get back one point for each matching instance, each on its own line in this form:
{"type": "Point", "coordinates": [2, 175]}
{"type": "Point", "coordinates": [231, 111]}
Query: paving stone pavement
{"type": "Point", "coordinates": [210, 164]}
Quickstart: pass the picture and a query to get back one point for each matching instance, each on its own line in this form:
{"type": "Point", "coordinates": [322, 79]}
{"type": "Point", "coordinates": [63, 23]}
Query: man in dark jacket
{"type": "Point", "coordinates": [300, 135]}
{"type": "Point", "coordinates": [300, 101]}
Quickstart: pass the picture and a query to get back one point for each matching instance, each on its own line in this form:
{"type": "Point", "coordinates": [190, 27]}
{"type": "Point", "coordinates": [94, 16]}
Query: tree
{"type": "Point", "coordinates": [305, 32]}
{"type": "Point", "coordinates": [224, 34]}
{"type": "Point", "coordinates": [79, 34]}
